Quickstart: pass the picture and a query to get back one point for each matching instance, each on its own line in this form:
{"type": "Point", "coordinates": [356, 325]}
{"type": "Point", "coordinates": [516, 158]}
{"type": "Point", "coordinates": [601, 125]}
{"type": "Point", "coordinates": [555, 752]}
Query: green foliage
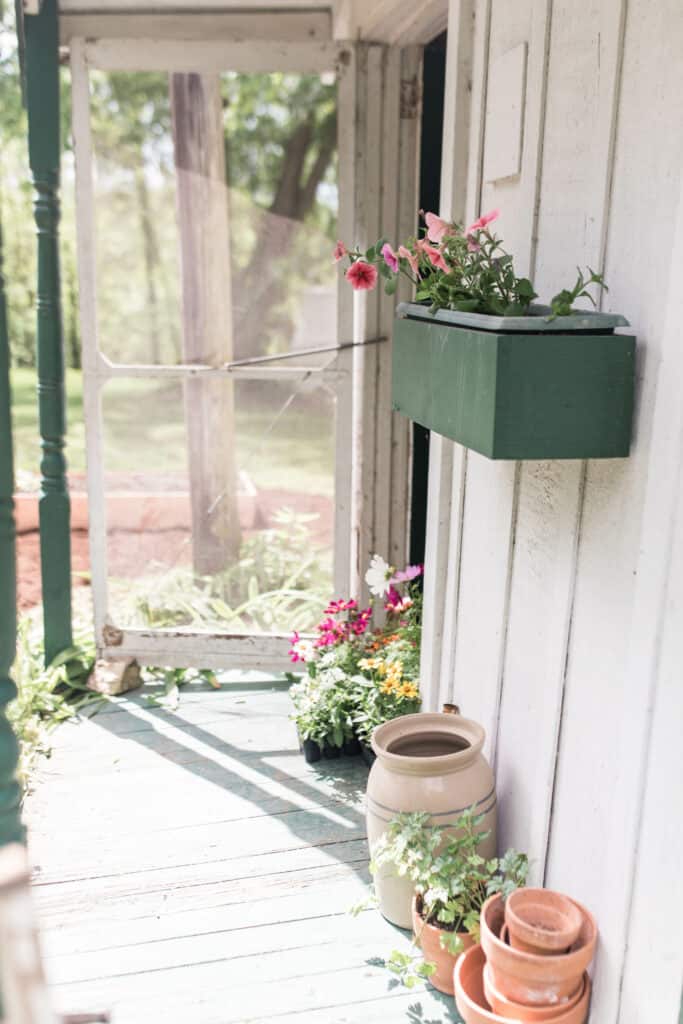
{"type": "Point", "coordinates": [562, 303]}
{"type": "Point", "coordinates": [279, 581]}
{"type": "Point", "coordinates": [451, 879]}
{"type": "Point", "coordinates": [48, 696]}
{"type": "Point", "coordinates": [481, 278]}
{"type": "Point", "coordinates": [323, 706]}
{"type": "Point", "coordinates": [468, 271]}
{"type": "Point", "coordinates": [172, 680]}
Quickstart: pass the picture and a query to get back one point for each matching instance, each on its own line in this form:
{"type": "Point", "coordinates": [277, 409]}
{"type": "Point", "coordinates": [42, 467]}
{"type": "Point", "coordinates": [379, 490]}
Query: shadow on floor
{"type": "Point", "coordinates": [346, 778]}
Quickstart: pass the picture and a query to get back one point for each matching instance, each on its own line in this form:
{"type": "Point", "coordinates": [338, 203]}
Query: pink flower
{"type": "Point", "coordinates": [472, 246]}
{"type": "Point", "coordinates": [340, 252]}
{"type": "Point", "coordinates": [436, 227]}
{"type": "Point", "coordinates": [435, 257]}
{"type": "Point", "coordinates": [361, 275]}
{"type": "Point", "coordinates": [390, 257]}
{"type": "Point", "coordinates": [406, 254]}
{"type": "Point", "coordinates": [410, 572]}
{"type": "Point", "coordinates": [481, 223]}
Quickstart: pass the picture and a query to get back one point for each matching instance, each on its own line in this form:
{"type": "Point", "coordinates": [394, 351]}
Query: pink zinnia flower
{"type": "Point", "coordinates": [481, 223]}
{"type": "Point", "coordinates": [406, 254]}
{"type": "Point", "coordinates": [362, 276]}
{"type": "Point", "coordinates": [436, 227]}
{"type": "Point", "coordinates": [340, 252]}
{"type": "Point", "coordinates": [390, 257]}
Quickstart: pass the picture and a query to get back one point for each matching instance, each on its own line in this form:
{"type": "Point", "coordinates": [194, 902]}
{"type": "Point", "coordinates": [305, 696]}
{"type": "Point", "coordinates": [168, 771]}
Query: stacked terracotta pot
{"type": "Point", "coordinates": [532, 963]}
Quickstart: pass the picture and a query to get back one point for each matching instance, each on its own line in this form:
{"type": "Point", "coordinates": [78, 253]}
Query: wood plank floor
{"type": "Point", "coordinates": [189, 866]}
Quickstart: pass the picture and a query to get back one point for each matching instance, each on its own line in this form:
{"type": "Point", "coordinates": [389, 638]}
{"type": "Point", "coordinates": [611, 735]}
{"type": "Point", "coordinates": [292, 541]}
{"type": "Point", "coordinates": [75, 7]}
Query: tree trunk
{"type": "Point", "coordinates": [202, 202]}
{"type": "Point", "coordinates": [151, 255]}
{"type": "Point", "coordinates": [293, 200]}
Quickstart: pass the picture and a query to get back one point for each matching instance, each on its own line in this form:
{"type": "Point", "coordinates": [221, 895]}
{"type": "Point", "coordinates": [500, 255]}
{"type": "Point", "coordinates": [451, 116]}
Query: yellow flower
{"type": "Point", "coordinates": [388, 687]}
{"type": "Point", "coordinates": [381, 667]}
{"type": "Point", "coordinates": [409, 690]}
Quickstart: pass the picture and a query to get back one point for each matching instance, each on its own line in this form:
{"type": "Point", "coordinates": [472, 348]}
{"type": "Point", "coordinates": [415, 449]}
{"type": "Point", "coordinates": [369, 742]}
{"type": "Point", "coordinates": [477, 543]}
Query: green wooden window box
{"type": "Point", "coordinates": [517, 388]}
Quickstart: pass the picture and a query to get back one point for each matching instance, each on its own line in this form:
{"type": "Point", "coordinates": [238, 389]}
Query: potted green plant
{"type": "Point", "coordinates": [475, 360]}
{"type": "Point", "coordinates": [452, 882]}
{"type": "Point", "coordinates": [355, 677]}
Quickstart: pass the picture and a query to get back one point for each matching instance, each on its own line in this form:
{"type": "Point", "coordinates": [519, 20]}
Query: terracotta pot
{"type": "Point", "coordinates": [428, 938]}
{"type": "Point", "coordinates": [528, 978]}
{"type": "Point", "coordinates": [474, 1008]}
{"type": "Point", "coordinates": [505, 1007]}
{"type": "Point", "coordinates": [433, 763]}
{"type": "Point", "coordinates": [542, 921]}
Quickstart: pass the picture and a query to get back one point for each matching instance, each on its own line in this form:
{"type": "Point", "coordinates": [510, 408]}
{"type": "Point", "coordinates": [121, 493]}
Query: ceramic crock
{"type": "Point", "coordinates": [432, 763]}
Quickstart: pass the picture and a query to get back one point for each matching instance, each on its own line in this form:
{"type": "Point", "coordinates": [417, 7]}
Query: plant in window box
{"type": "Point", "coordinates": [452, 882]}
{"type": "Point", "coordinates": [475, 360]}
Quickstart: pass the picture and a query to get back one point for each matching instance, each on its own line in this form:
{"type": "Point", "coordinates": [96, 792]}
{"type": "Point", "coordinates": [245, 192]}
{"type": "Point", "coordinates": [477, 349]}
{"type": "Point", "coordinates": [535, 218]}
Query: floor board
{"type": "Point", "coordinates": [189, 866]}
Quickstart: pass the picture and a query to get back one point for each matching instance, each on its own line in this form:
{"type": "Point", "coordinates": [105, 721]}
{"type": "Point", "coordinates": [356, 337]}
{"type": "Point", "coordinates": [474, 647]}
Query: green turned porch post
{"type": "Point", "coordinates": [42, 101]}
{"type": "Point", "coordinates": [10, 824]}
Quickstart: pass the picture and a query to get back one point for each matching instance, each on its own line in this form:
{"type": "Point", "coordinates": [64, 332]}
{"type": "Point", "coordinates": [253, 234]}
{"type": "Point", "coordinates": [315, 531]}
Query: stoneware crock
{"type": "Point", "coordinates": [529, 978]}
{"type": "Point", "coordinates": [432, 763]}
{"type": "Point", "coordinates": [474, 1008]}
{"type": "Point", "coordinates": [542, 921]}
{"type": "Point", "coordinates": [428, 938]}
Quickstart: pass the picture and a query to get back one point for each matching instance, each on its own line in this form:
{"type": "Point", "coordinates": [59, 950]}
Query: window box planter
{"type": "Point", "coordinates": [517, 387]}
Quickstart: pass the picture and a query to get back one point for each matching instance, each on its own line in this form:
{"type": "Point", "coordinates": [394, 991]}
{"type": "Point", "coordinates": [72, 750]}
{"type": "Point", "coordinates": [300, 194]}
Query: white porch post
{"type": "Point", "coordinates": [379, 124]}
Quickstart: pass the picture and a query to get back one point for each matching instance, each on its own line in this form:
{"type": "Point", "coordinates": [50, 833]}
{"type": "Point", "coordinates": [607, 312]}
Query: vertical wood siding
{"type": "Point", "coordinates": [554, 590]}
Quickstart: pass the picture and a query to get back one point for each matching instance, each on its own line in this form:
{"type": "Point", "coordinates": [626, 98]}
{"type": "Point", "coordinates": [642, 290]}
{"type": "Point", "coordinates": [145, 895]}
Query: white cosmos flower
{"type": "Point", "coordinates": [378, 575]}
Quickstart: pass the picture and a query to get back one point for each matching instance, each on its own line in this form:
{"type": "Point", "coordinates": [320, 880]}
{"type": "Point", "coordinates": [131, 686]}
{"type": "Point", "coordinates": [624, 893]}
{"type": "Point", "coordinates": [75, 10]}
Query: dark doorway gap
{"type": "Point", "coordinates": [433, 89]}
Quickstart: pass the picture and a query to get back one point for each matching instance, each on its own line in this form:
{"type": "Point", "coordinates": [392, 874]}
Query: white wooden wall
{"type": "Point", "coordinates": [554, 590]}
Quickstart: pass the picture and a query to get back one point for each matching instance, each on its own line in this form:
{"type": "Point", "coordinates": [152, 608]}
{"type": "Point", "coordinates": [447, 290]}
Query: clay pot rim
{"type": "Point", "coordinates": [465, 728]}
{"type": "Point", "coordinates": [536, 965]}
{"type": "Point", "coordinates": [565, 1007]}
{"type": "Point", "coordinates": [489, 1015]}
{"type": "Point", "coordinates": [534, 936]}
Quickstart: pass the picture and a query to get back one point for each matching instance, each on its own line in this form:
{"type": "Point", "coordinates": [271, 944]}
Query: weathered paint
{"type": "Point", "coordinates": [559, 620]}
{"type": "Point", "coordinates": [42, 100]}
{"type": "Point", "coordinates": [10, 824]}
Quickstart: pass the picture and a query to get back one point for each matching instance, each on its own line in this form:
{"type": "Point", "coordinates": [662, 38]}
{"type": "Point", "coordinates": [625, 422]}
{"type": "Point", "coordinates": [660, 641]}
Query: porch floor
{"type": "Point", "coordinates": [189, 866]}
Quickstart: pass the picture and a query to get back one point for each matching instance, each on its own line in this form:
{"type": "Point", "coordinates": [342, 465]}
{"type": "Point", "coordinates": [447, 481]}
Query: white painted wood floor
{"type": "Point", "coordinates": [189, 866]}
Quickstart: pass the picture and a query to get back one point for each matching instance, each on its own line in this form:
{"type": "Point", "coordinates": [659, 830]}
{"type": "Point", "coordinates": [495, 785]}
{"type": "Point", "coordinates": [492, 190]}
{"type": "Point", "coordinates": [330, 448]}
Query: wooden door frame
{"type": "Point", "coordinates": [379, 110]}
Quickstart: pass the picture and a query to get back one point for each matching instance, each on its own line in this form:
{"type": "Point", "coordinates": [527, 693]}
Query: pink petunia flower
{"type": "Point", "coordinates": [340, 252]}
{"type": "Point", "coordinates": [482, 222]}
{"type": "Point", "coordinates": [406, 254]}
{"type": "Point", "coordinates": [390, 257]}
{"type": "Point", "coordinates": [435, 257]}
{"type": "Point", "coordinates": [362, 276]}
{"type": "Point", "coordinates": [436, 227]}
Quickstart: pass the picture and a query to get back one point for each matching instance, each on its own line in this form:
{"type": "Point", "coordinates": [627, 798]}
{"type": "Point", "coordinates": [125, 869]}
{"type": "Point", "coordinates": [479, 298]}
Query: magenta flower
{"type": "Point", "coordinates": [340, 252]}
{"type": "Point", "coordinates": [406, 254]}
{"type": "Point", "coordinates": [481, 223]}
{"type": "Point", "coordinates": [436, 227]}
{"type": "Point", "coordinates": [390, 257]}
{"type": "Point", "coordinates": [362, 276]}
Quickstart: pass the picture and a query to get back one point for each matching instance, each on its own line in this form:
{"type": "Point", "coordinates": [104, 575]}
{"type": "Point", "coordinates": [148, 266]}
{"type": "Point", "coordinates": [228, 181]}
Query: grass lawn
{"type": "Point", "coordinates": [144, 431]}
